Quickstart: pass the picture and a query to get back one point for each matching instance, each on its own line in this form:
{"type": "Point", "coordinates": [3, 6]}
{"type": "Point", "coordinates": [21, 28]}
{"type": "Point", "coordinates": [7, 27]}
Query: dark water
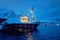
{"type": "Point", "coordinates": [42, 33]}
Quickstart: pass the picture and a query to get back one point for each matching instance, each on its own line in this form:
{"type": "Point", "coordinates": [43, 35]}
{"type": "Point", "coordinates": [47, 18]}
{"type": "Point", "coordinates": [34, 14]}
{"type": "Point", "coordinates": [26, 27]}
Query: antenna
{"type": "Point", "coordinates": [32, 12]}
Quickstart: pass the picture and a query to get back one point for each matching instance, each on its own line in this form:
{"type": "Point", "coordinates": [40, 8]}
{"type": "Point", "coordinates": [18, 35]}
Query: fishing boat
{"type": "Point", "coordinates": [25, 25]}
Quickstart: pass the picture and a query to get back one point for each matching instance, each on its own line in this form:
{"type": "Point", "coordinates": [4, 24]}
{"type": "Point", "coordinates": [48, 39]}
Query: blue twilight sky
{"type": "Point", "coordinates": [44, 9]}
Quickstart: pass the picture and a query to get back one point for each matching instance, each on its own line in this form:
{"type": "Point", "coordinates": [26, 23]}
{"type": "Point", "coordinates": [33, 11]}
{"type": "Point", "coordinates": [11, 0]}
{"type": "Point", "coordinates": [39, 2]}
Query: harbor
{"type": "Point", "coordinates": [42, 33]}
{"type": "Point", "coordinates": [29, 19]}
{"type": "Point", "coordinates": [29, 29]}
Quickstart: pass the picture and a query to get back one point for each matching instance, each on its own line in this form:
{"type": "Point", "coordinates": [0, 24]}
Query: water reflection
{"type": "Point", "coordinates": [17, 36]}
{"type": "Point", "coordinates": [29, 36]}
{"type": "Point", "coordinates": [43, 33]}
{"type": "Point", "coordinates": [32, 35]}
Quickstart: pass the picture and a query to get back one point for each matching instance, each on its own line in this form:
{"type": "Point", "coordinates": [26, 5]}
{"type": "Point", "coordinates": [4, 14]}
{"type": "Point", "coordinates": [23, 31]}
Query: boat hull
{"type": "Point", "coordinates": [23, 27]}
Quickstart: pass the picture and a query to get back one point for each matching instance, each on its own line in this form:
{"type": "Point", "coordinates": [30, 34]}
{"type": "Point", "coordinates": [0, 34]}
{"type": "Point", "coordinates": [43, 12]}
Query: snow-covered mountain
{"type": "Point", "coordinates": [10, 15]}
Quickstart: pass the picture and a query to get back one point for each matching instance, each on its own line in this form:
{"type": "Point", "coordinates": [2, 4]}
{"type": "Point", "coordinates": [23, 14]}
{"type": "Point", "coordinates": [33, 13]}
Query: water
{"type": "Point", "coordinates": [42, 33]}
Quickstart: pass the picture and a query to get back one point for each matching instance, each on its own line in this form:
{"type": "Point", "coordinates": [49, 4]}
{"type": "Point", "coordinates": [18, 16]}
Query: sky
{"type": "Point", "coordinates": [43, 9]}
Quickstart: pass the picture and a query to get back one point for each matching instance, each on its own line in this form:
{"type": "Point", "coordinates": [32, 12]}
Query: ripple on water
{"type": "Point", "coordinates": [44, 33]}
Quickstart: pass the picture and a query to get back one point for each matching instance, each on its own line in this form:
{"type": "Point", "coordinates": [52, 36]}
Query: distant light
{"type": "Point", "coordinates": [57, 24]}
{"type": "Point", "coordinates": [31, 11]}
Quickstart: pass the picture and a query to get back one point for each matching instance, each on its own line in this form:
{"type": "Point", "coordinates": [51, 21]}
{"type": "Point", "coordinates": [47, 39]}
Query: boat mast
{"type": "Point", "coordinates": [32, 17]}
